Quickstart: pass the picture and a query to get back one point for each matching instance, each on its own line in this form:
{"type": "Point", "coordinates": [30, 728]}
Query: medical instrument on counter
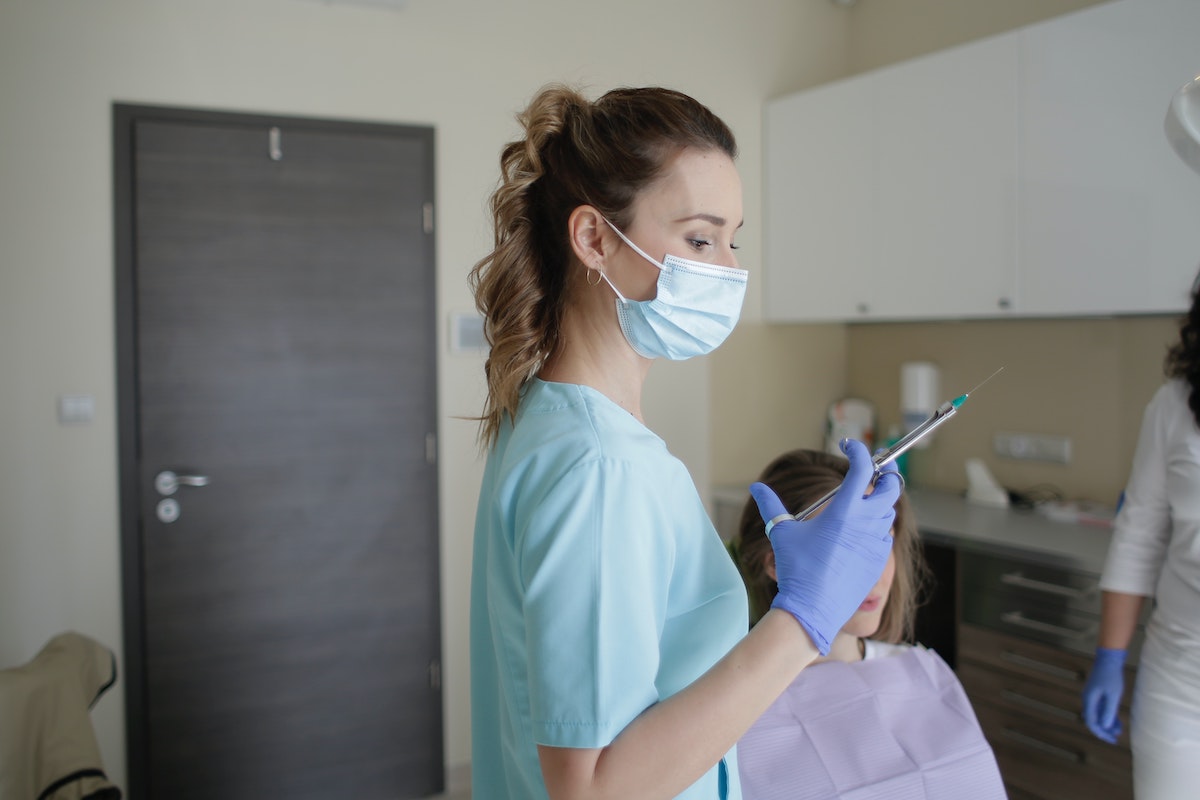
{"type": "Point", "coordinates": [886, 456]}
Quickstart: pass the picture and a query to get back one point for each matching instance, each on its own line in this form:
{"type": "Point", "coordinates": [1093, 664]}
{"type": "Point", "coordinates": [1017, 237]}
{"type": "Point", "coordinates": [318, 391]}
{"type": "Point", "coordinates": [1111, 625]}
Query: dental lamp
{"type": "Point", "coordinates": [1182, 124]}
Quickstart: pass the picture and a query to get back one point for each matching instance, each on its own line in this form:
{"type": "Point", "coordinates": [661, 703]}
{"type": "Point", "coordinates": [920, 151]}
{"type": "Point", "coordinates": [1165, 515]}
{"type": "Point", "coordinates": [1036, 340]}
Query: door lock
{"type": "Point", "coordinates": [167, 510]}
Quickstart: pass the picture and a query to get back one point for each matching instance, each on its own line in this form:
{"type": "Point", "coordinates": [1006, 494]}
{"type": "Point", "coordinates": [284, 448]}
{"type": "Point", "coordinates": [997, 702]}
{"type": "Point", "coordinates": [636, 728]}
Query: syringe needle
{"type": "Point", "coordinates": [959, 400]}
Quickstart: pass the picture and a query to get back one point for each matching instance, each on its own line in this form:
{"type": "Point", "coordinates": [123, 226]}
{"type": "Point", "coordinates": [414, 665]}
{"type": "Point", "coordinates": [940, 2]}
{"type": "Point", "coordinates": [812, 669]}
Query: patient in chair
{"type": "Point", "coordinates": [876, 718]}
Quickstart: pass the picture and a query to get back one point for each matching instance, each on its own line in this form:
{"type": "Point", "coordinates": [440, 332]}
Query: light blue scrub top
{"type": "Point", "coordinates": [599, 587]}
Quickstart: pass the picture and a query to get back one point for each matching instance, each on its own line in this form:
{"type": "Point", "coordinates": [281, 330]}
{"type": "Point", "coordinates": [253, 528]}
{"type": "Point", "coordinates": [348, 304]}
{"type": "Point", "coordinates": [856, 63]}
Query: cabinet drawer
{"type": "Point", "coordinates": [1046, 702]}
{"type": "Point", "coordinates": [1023, 658]}
{"type": "Point", "coordinates": [1045, 604]}
{"type": "Point", "coordinates": [1048, 762]}
{"type": "Point", "coordinates": [1037, 583]}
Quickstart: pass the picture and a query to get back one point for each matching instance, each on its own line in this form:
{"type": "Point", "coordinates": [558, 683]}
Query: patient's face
{"type": "Point", "coordinates": [866, 620]}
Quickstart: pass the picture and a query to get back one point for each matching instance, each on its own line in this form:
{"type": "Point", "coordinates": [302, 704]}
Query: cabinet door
{"type": "Point", "coordinates": [819, 178]}
{"type": "Point", "coordinates": [892, 195]}
{"type": "Point", "coordinates": [1108, 213]}
{"type": "Point", "coordinates": [946, 218]}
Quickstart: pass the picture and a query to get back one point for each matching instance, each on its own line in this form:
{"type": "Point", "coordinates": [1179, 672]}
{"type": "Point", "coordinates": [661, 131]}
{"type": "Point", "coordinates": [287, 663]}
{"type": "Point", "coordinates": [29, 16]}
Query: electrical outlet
{"type": "Point", "coordinates": [1033, 447]}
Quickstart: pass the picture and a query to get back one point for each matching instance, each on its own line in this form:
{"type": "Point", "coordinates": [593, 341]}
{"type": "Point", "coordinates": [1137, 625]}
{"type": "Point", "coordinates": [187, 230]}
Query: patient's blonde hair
{"type": "Point", "coordinates": [800, 478]}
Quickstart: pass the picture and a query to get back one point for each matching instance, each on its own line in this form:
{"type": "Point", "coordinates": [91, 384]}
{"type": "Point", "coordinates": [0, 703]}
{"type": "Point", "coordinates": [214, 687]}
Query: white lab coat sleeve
{"type": "Point", "coordinates": [1142, 530]}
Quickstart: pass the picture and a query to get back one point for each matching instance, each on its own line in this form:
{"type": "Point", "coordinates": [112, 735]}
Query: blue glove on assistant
{"type": "Point", "coordinates": [825, 565]}
{"type": "Point", "coordinates": [1102, 694]}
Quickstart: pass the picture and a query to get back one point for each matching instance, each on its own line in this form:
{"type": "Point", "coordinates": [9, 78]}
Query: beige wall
{"type": "Point", "coordinates": [462, 66]}
{"type": "Point", "coordinates": [771, 385]}
{"type": "Point", "coordinates": [1087, 380]}
{"type": "Point", "coordinates": [886, 31]}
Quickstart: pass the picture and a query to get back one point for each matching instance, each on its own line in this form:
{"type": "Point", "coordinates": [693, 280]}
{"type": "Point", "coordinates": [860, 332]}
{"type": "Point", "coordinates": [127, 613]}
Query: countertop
{"type": "Point", "coordinates": [947, 518]}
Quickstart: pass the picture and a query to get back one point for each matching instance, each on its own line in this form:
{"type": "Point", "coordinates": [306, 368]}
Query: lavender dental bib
{"type": "Point", "coordinates": [898, 727]}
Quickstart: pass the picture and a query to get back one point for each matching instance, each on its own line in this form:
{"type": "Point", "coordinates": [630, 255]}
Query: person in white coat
{"type": "Point", "coordinates": [1155, 553]}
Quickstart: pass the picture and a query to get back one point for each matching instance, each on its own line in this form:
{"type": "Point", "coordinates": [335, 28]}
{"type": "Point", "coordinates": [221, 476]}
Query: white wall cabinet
{"type": "Point", "coordinates": [1025, 174]}
{"type": "Point", "coordinates": [1110, 217]}
{"type": "Point", "coordinates": [820, 187]}
{"type": "Point", "coordinates": [946, 158]}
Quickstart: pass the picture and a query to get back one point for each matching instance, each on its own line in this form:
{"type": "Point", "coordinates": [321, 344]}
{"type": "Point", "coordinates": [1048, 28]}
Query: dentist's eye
{"type": "Point", "coordinates": [699, 244]}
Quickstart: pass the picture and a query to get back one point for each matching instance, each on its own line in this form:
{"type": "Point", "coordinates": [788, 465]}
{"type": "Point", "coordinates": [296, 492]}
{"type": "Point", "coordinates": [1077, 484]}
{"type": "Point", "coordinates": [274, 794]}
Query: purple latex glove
{"type": "Point", "coordinates": [1102, 694]}
{"type": "Point", "coordinates": [825, 565]}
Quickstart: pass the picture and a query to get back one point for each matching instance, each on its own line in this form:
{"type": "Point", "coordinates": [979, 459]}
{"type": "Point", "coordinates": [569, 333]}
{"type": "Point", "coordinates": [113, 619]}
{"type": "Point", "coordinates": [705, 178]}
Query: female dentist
{"type": "Point", "coordinates": [609, 647]}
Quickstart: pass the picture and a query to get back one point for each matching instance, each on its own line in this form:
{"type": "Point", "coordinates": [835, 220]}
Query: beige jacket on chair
{"type": "Point", "coordinates": [48, 749]}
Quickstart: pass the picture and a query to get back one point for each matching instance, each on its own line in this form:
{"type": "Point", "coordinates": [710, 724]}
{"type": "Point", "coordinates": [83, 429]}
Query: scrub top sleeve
{"type": "Point", "coordinates": [595, 565]}
{"type": "Point", "coordinates": [1142, 530]}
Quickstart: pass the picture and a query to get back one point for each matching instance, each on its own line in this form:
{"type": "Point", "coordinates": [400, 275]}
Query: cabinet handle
{"type": "Point", "coordinates": [1016, 698]}
{"type": "Point", "coordinates": [1019, 579]}
{"type": "Point", "coordinates": [1021, 621]}
{"type": "Point", "coordinates": [1041, 666]}
{"type": "Point", "coordinates": [1074, 756]}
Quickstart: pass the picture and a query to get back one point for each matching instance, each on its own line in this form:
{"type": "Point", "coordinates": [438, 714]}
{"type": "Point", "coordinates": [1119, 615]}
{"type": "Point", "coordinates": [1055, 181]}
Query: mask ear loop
{"type": "Point", "coordinates": [606, 279]}
{"type": "Point", "coordinates": [636, 249]}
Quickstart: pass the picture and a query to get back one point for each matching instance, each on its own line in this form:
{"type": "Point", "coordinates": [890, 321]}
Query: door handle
{"type": "Point", "coordinates": [1018, 579]}
{"type": "Point", "coordinates": [1021, 621]}
{"type": "Point", "coordinates": [1041, 666]}
{"type": "Point", "coordinates": [1016, 698]}
{"type": "Point", "coordinates": [167, 482]}
{"type": "Point", "coordinates": [1074, 756]}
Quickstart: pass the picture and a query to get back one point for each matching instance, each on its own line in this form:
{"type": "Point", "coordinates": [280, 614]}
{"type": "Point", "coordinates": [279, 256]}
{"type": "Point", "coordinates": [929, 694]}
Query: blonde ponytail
{"type": "Point", "coordinates": [573, 152]}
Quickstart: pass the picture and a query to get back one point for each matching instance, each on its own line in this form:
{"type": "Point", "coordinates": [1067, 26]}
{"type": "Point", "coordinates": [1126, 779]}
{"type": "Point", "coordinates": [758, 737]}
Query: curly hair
{"type": "Point", "coordinates": [573, 152]}
{"type": "Point", "coordinates": [800, 477]}
{"type": "Point", "coordinates": [1183, 357]}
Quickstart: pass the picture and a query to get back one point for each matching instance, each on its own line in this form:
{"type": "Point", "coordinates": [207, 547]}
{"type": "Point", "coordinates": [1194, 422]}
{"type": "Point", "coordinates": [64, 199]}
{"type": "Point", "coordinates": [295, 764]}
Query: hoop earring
{"type": "Point", "coordinates": [588, 277]}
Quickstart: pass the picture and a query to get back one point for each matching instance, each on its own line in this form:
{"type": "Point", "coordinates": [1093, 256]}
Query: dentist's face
{"type": "Point", "coordinates": [693, 211]}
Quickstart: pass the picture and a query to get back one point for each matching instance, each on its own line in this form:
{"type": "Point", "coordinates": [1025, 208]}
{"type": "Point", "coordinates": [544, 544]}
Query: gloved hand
{"type": "Point", "coordinates": [1102, 694]}
{"type": "Point", "coordinates": [825, 565]}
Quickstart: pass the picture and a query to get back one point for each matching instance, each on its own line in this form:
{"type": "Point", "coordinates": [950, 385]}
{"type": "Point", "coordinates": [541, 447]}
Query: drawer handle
{"type": "Point", "coordinates": [1016, 698]}
{"type": "Point", "coordinates": [1041, 666]}
{"type": "Point", "coordinates": [1074, 756]}
{"type": "Point", "coordinates": [1021, 621]}
{"type": "Point", "coordinates": [1019, 579]}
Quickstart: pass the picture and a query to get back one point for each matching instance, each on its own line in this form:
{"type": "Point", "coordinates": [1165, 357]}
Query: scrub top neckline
{"type": "Point", "coordinates": [600, 396]}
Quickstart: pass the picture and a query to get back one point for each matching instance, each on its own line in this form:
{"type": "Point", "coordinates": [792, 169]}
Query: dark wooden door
{"type": "Point", "coordinates": [276, 323]}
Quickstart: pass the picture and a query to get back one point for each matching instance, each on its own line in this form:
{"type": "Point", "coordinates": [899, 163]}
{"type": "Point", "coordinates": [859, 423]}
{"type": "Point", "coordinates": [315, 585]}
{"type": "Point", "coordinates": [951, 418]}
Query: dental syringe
{"type": "Point", "coordinates": [886, 456]}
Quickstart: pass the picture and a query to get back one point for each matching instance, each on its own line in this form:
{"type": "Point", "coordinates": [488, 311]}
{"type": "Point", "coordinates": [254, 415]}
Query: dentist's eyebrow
{"type": "Point", "coordinates": [715, 220]}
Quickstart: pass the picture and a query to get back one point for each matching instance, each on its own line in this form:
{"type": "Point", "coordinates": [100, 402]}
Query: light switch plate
{"type": "Point", "coordinates": [75, 409]}
{"type": "Point", "coordinates": [466, 334]}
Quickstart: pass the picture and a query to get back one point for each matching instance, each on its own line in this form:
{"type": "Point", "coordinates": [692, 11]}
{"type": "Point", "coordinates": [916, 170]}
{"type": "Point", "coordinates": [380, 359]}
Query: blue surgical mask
{"type": "Point", "coordinates": [695, 309]}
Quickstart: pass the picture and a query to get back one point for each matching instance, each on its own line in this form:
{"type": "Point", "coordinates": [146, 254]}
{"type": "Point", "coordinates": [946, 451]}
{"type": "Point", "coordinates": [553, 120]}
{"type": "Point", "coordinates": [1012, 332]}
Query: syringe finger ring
{"type": "Point", "coordinates": [895, 472]}
{"type": "Point", "coordinates": [776, 520]}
